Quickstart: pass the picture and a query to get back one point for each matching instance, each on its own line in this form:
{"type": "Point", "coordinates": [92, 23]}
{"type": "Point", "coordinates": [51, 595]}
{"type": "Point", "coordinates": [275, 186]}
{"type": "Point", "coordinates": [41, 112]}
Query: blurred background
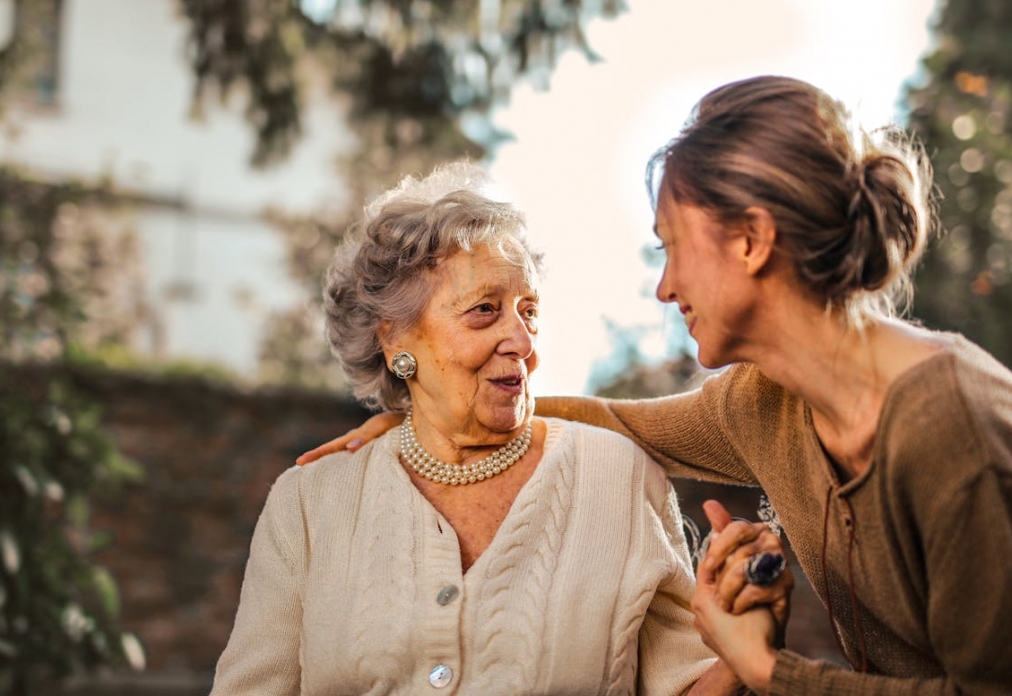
{"type": "Point", "coordinates": [175, 174]}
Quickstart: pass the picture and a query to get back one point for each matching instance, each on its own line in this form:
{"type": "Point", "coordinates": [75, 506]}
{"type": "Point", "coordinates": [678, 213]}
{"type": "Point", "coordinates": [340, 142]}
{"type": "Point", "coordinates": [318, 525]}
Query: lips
{"type": "Point", "coordinates": [511, 383]}
{"type": "Point", "coordinates": [690, 316]}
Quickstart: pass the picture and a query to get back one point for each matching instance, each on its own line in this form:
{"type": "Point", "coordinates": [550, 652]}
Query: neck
{"type": "Point", "coordinates": [463, 444]}
{"type": "Point", "coordinates": [841, 372]}
{"type": "Point", "coordinates": [427, 466]}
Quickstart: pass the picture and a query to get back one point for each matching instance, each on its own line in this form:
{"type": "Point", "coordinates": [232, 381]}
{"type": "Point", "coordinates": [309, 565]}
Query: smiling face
{"type": "Point", "coordinates": [703, 275]}
{"type": "Point", "coordinates": [475, 346]}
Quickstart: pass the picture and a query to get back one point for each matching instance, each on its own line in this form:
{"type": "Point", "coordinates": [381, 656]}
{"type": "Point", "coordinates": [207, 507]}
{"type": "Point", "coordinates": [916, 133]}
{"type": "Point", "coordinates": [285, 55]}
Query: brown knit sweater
{"type": "Point", "coordinates": [918, 549]}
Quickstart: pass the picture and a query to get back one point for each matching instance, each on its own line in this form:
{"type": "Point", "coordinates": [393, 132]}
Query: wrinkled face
{"type": "Point", "coordinates": [475, 346]}
{"type": "Point", "coordinates": [702, 276]}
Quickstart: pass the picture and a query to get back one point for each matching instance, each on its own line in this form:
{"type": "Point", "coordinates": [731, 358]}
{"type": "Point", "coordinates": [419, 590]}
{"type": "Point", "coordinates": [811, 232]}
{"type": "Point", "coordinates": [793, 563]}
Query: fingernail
{"type": "Point", "coordinates": [354, 444]}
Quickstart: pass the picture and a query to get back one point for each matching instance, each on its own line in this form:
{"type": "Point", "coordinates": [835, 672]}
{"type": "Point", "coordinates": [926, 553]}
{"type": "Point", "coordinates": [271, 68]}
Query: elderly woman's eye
{"type": "Point", "coordinates": [484, 308]}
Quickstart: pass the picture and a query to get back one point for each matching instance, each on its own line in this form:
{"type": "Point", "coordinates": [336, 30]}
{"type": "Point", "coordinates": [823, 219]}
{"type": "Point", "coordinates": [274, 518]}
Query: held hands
{"type": "Point", "coordinates": [742, 622]}
{"type": "Point", "coordinates": [354, 439]}
{"type": "Point", "coordinates": [731, 546]}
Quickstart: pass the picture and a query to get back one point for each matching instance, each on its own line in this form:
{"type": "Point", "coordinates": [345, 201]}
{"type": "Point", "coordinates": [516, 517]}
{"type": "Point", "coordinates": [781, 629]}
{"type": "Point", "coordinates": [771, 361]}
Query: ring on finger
{"type": "Point", "coordinates": [764, 568]}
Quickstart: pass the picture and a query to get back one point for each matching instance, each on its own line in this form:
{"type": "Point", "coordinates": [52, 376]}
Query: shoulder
{"type": "Point", "coordinates": [741, 393]}
{"type": "Point", "coordinates": [751, 391]}
{"type": "Point", "coordinates": [566, 433]}
{"type": "Point", "coordinates": [601, 453]}
{"type": "Point", "coordinates": [961, 381]}
{"type": "Point", "coordinates": [337, 475]}
{"type": "Point", "coordinates": [954, 407]}
{"type": "Point", "coordinates": [753, 411]}
{"type": "Point", "coordinates": [589, 441]}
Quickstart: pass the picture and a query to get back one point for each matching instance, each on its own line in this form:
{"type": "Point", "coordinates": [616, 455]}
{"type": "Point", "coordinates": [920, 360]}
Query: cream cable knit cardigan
{"type": "Point", "coordinates": [354, 583]}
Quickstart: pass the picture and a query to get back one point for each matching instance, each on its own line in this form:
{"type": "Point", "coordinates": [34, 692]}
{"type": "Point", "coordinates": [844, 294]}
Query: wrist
{"type": "Point", "coordinates": [759, 673]}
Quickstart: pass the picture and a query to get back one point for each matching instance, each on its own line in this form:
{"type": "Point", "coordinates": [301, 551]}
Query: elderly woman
{"type": "Point", "coordinates": [474, 549]}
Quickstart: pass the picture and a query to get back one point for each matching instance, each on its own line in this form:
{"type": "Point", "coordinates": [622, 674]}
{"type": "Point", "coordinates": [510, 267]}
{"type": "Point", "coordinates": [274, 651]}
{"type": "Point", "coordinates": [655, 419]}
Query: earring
{"type": "Point", "coordinates": [404, 364]}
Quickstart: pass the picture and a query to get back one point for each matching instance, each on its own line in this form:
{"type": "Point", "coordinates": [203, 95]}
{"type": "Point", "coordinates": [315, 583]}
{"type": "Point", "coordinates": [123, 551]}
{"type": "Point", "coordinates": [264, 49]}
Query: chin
{"type": "Point", "coordinates": [711, 361]}
{"type": "Point", "coordinates": [708, 363]}
{"type": "Point", "coordinates": [505, 419]}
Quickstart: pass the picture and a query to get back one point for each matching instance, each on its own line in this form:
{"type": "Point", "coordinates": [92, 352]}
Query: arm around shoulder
{"type": "Point", "coordinates": [683, 432]}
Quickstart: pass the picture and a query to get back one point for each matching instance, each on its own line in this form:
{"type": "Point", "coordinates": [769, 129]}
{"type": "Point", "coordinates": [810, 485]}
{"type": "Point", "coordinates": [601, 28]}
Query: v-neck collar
{"type": "Point", "coordinates": [527, 492]}
{"type": "Point", "coordinates": [890, 403]}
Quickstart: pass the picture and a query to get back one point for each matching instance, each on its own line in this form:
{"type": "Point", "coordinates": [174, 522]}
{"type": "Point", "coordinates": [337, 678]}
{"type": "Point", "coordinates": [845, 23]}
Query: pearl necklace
{"type": "Point", "coordinates": [431, 468]}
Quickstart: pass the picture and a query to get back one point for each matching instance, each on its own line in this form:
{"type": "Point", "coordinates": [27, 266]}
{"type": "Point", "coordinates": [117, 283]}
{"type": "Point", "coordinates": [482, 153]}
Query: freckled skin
{"type": "Point", "coordinates": [476, 348]}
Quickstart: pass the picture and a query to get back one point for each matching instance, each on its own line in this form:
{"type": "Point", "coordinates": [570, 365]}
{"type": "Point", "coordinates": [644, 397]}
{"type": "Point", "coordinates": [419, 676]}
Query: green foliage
{"type": "Point", "coordinates": [411, 63]}
{"type": "Point", "coordinates": [963, 113]}
{"type": "Point", "coordinates": [58, 611]}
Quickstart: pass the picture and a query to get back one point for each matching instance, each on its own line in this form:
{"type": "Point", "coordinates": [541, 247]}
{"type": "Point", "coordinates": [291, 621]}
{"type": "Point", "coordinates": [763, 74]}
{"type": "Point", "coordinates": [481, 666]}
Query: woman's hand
{"type": "Point", "coordinates": [355, 438]}
{"type": "Point", "coordinates": [731, 546]}
{"type": "Point", "coordinates": [743, 623]}
{"type": "Point", "coordinates": [743, 642]}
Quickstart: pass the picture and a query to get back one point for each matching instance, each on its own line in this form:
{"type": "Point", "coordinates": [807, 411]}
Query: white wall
{"type": "Point", "coordinates": [124, 110]}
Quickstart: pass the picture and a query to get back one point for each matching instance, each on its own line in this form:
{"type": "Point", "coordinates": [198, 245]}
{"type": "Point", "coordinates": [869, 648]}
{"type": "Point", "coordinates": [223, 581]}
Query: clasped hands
{"type": "Point", "coordinates": [744, 623]}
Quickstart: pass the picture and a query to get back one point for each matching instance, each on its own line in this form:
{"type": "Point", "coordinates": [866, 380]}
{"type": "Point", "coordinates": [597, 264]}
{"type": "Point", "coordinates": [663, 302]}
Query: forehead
{"type": "Point", "coordinates": [667, 215]}
{"type": "Point", "coordinates": [673, 218]}
{"type": "Point", "coordinates": [484, 270]}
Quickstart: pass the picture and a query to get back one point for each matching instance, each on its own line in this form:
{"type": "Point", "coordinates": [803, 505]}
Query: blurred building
{"type": "Point", "coordinates": [110, 97]}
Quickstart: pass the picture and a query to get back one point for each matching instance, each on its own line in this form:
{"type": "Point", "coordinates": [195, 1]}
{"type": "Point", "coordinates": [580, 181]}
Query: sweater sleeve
{"type": "Point", "coordinates": [688, 433]}
{"type": "Point", "coordinates": [970, 571]}
{"type": "Point", "coordinates": [263, 653]}
{"type": "Point", "coordinates": [672, 655]}
{"type": "Point", "coordinates": [794, 675]}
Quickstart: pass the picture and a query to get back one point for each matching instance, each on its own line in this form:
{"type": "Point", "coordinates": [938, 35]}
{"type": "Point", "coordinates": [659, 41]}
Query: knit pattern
{"type": "Point", "coordinates": [559, 603]}
{"type": "Point", "coordinates": [527, 560]}
{"type": "Point", "coordinates": [378, 553]}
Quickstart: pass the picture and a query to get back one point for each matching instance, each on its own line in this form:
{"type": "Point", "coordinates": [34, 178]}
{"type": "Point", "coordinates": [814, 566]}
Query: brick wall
{"type": "Point", "coordinates": [181, 536]}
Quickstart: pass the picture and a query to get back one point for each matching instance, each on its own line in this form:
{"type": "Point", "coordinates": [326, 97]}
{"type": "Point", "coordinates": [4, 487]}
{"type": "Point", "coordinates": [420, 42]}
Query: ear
{"type": "Point", "coordinates": [760, 239]}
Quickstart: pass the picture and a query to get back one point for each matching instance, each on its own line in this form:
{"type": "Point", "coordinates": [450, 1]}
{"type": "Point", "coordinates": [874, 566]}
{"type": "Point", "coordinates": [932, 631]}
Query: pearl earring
{"type": "Point", "coordinates": [403, 365]}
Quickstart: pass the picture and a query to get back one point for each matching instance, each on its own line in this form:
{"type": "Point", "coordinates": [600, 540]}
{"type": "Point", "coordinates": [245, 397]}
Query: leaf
{"type": "Point", "coordinates": [108, 593]}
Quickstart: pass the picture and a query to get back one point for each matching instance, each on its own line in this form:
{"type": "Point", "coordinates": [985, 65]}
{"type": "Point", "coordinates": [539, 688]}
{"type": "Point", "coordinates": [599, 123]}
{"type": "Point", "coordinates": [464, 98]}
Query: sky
{"type": "Point", "coordinates": [577, 160]}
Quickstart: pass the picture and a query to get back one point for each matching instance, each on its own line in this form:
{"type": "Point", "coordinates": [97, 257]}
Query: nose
{"type": "Point", "coordinates": [518, 337]}
{"type": "Point", "coordinates": [665, 287]}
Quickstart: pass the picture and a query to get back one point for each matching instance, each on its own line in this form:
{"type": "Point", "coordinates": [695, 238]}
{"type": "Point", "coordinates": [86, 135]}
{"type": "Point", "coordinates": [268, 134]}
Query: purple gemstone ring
{"type": "Point", "coordinates": [764, 568]}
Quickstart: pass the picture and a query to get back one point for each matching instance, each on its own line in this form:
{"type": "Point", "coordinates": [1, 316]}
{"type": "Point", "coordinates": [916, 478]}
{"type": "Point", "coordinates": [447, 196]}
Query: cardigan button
{"type": "Point", "coordinates": [447, 595]}
{"type": "Point", "coordinates": [440, 676]}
